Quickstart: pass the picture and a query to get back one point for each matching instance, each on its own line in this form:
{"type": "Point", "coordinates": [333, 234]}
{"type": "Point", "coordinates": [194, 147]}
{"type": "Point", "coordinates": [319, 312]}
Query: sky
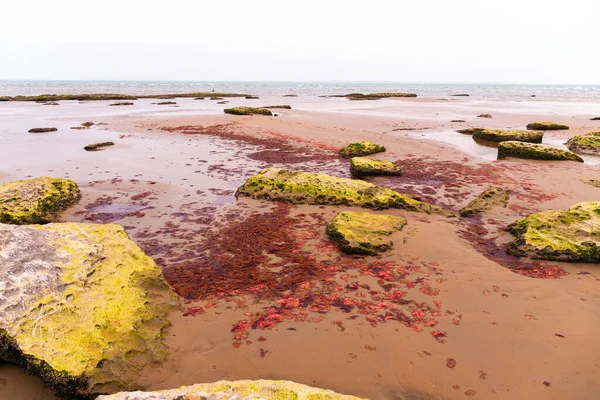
{"type": "Point", "coordinates": [459, 41]}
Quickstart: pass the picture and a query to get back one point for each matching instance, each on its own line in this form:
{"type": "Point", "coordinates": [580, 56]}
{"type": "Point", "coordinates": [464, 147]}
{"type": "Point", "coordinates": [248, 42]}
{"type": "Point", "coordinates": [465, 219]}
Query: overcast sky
{"type": "Point", "coordinates": [500, 41]}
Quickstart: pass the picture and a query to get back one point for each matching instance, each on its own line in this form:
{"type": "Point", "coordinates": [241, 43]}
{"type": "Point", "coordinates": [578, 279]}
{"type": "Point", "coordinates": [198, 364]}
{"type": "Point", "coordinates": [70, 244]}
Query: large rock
{"type": "Point", "coordinates": [247, 111]}
{"type": "Point", "coordinates": [585, 144]}
{"type": "Point", "coordinates": [81, 306]}
{"type": "Point", "coordinates": [546, 126]}
{"type": "Point", "coordinates": [305, 188]}
{"type": "Point", "coordinates": [359, 149]}
{"type": "Point", "coordinates": [571, 235]}
{"type": "Point", "coordinates": [487, 200]}
{"type": "Point", "coordinates": [238, 390]}
{"type": "Point", "coordinates": [500, 135]}
{"type": "Point", "coordinates": [362, 166]}
{"type": "Point", "coordinates": [36, 201]}
{"type": "Point", "coordinates": [535, 152]}
{"type": "Point", "coordinates": [362, 232]}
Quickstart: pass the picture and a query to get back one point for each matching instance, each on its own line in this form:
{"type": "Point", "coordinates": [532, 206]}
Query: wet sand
{"type": "Point", "coordinates": [445, 315]}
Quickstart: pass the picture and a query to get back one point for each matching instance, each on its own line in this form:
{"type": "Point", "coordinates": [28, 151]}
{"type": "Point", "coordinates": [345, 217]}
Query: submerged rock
{"type": "Point", "coordinates": [237, 390]}
{"type": "Point", "coordinates": [570, 235]}
{"type": "Point", "coordinates": [305, 188]}
{"type": "Point", "coordinates": [362, 166]}
{"type": "Point", "coordinates": [535, 152]}
{"type": "Point", "coordinates": [36, 201]}
{"type": "Point", "coordinates": [42, 130]}
{"type": "Point", "coordinates": [484, 116]}
{"type": "Point", "coordinates": [585, 144]}
{"type": "Point", "coordinates": [362, 232]}
{"type": "Point", "coordinates": [82, 306]}
{"type": "Point", "coordinates": [501, 135]}
{"type": "Point", "coordinates": [486, 201]}
{"type": "Point", "coordinates": [359, 149]}
{"type": "Point", "coordinates": [98, 146]}
{"type": "Point", "coordinates": [546, 126]}
{"type": "Point", "coordinates": [247, 111]}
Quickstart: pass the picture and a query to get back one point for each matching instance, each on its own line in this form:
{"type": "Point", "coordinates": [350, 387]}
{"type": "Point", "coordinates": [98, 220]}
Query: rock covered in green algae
{"type": "Point", "coordinates": [501, 135]}
{"type": "Point", "coordinates": [81, 306]}
{"type": "Point", "coordinates": [306, 188]}
{"type": "Point", "coordinates": [247, 111]}
{"type": "Point", "coordinates": [362, 166]}
{"type": "Point", "coordinates": [237, 390]}
{"type": "Point", "coordinates": [362, 232]}
{"type": "Point", "coordinates": [359, 149]}
{"type": "Point", "coordinates": [546, 126]}
{"type": "Point", "coordinates": [534, 152]}
{"type": "Point", "coordinates": [572, 235]}
{"type": "Point", "coordinates": [486, 201]}
{"type": "Point", "coordinates": [470, 131]}
{"type": "Point", "coordinates": [36, 201]}
{"type": "Point", "coordinates": [585, 144]}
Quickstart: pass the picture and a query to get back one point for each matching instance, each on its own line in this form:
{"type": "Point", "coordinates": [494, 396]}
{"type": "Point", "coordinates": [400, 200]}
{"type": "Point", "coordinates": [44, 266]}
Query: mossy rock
{"type": "Point", "coordinates": [535, 152]}
{"type": "Point", "coordinates": [585, 144]}
{"type": "Point", "coordinates": [364, 233]}
{"type": "Point", "coordinates": [593, 182]}
{"type": "Point", "coordinates": [546, 126]}
{"type": "Point", "coordinates": [36, 201]}
{"type": "Point", "coordinates": [238, 390]}
{"type": "Point", "coordinates": [378, 96]}
{"type": "Point", "coordinates": [98, 146]}
{"type": "Point", "coordinates": [470, 131]}
{"type": "Point", "coordinates": [501, 135]}
{"type": "Point", "coordinates": [123, 103]}
{"type": "Point", "coordinates": [362, 166]}
{"type": "Point", "coordinates": [42, 130]}
{"type": "Point", "coordinates": [572, 235]}
{"type": "Point", "coordinates": [284, 107]}
{"type": "Point", "coordinates": [359, 149]}
{"type": "Point", "coordinates": [248, 111]}
{"type": "Point", "coordinates": [484, 116]}
{"type": "Point", "coordinates": [306, 188]}
{"type": "Point", "coordinates": [490, 198]}
{"type": "Point", "coordinates": [82, 306]}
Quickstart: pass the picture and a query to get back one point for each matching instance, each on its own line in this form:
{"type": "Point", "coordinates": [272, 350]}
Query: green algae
{"type": "Point", "coordinates": [585, 144]}
{"type": "Point", "coordinates": [36, 201]}
{"type": "Point", "coordinates": [362, 232]}
{"type": "Point", "coordinates": [572, 235]}
{"type": "Point", "coordinates": [501, 135]}
{"type": "Point", "coordinates": [535, 152]}
{"type": "Point", "coordinates": [247, 111]}
{"type": "Point", "coordinates": [593, 182]}
{"type": "Point", "coordinates": [362, 166]}
{"type": "Point", "coordinates": [490, 198]}
{"type": "Point", "coordinates": [359, 149]}
{"type": "Point", "coordinates": [546, 126]}
{"type": "Point", "coordinates": [470, 131]}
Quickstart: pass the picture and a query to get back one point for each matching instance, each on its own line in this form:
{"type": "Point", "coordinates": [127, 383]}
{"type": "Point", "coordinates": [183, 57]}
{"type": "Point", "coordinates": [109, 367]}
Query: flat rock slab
{"type": "Point", "coordinates": [36, 201]}
{"type": "Point", "coordinates": [238, 390]}
{"type": "Point", "coordinates": [362, 166]}
{"type": "Point", "coordinates": [81, 306]}
{"type": "Point", "coordinates": [487, 200]}
{"type": "Point", "coordinates": [535, 152]}
{"type": "Point", "coordinates": [247, 111]}
{"type": "Point", "coordinates": [501, 135]}
{"type": "Point", "coordinates": [364, 233]}
{"type": "Point", "coordinates": [585, 144]}
{"type": "Point", "coordinates": [360, 149]}
{"type": "Point", "coordinates": [572, 235]}
{"type": "Point", "coordinates": [546, 126]}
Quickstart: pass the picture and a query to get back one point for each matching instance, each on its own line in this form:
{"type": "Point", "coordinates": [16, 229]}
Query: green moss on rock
{"type": "Point", "coordinates": [585, 144]}
{"type": "Point", "coordinates": [486, 201]}
{"type": "Point", "coordinates": [359, 149]}
{"type": "Point", "coordinates": [593, 182]}
{"type": "Point", "coordinates": [470, 131]}
{"type": "Point", "coordinates": [36, 201]}
{"type": "Point", "coordinates": [546, 126]}
{"type": "Point", "coordinates": [534, 152]}
{"type": "Point", "coordinates": [362, 232]}
{"type": "Point", "coordinates": [572, 235]}
{"type": "Point", "coordinates": [500, 135]}
{"type": "Point", "coordinates": [284, 107]}
{"type": "Point", "coordinates": [362, 166]}
{"type": "Point", "coordinates": [248, 111]}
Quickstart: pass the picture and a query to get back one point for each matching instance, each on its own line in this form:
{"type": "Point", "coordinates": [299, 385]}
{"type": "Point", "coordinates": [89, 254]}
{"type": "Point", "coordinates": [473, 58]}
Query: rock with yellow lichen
{"type": "Point", "coordinates": [81, 306]}
{"type": "Point", "coordinates": [360, 149]}
{"type": "Point", "coordinates": [502, 135]}
{"type": "Point", "coordinates": [364, 233]}
{"type": "Point", "coordinates": [585, 144]}
{"type": "Point", "coordinates": [487, 200]}
{"type": "Point", "coordinates": [238, 390]}
{"type": "Point", "coordinates": [36, 201]}
{"type": "Point", "coordinates": [362, 166]}
{"type": "Point", "coordinates": [572, 235]}
{"type": "Point", "coordinates": [546, 126]}
{"type": "Point", "coordinates": [535, 151]}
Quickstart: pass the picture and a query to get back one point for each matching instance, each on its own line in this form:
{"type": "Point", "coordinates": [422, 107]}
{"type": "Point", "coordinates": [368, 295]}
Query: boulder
{"type": "Point", "coordinates": [42, 130]}
{"type": "Point", "coordinates": [362, 166]}
{"type": "Point", "coordinates": [306, 188]}
{"type": "Point", "coordinates": [535, 152]}
{"type": "Point", "coordinates": [484, 116]}
{"type": "Point", "coordinates": [585, 144]}
{"type": "Point", "coordinates": [546, 126]}
{"type": "Point", "coordinates": [359, 149]}
{"type": "Point", "coordinates": [238, 390]}
{"type": "Point", "coordinates": [81, 306]}
{"type": "Point", "coordinates": [486, 201]}
{"type": "Point", "coordinates": [36, 201]}
{"type": "Point", "coordinates": [98, 146]}
{"type": "Point", "coordinates": [558, 235]}
{"type": "Point", "coordinates": [247, 111]}
{"type": "Point", "coordinates": [364, 233]}
{"type": "Point", "coordinates": [501, 135]}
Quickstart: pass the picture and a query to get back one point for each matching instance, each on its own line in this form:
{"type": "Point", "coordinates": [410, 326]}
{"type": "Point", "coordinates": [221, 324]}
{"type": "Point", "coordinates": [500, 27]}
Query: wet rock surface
{"type": "Point", "coordinates": [546, 126]}
{"type": "Point", "coordinates": [490, 198]}
{"type": "Point", "coordinates": [500, 135]}
{"type": "Point", "coordinates": [585, 144]}
{"type": "Point", "coordinates": [535, 152]}
{"type": "Point", "coordinates": [361, 166]}
{"type": "Point", "coordinates": [248, 111]}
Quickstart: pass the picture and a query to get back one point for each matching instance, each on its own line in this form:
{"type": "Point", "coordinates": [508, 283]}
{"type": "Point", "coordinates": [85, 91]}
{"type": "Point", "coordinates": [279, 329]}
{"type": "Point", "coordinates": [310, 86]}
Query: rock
{"type": "Point", "coordinates": [585, 144]}
{"type": "Point", "coordinates": [534, 152]}
{"type": "Point", "coordinates": [458, 120]}
{"type": "Point", "coordinates": [36, 201]}
{"type": "Point", "coordinates": [81, 306]}
{"type": "Point", "coordinates": [285, 107]}
{"type": "Point", "coordinates": [484, 116]}
{"type": "Point", "coordinates": [252, 97]}
{"type": "Point", "coordinates": [50, 103]}
{"type": "Point", "coordinates": [199, 98]}
{"type": "Point", "coordinates": [98, 146]}
{"type": "Point", "coordinates": [361, 166]}
{"type": "Point", "coordinates": [486, 201]}
{"type": "Point", "coordinates": [359, 149]}
{"type": "Point", "coordinates": [595, 119]}
{"type": "Point", "coordinates": [546, 126]}
{"type": "Point", "coordinates": [166, 103]}
{"type": "Point", "coordinates": [558, 235]}
{"type": "Point", "coordinates": [88, 124]}
{"type": "Point", "coordinates": [248, 111]}
{"type": "Point", "coordinates": [42, 130]}
{"type": "Point", "coordinates": [306, 188]}
{"type": "Point", "coordinates": [470, 131]}
{"type": "Point", "coordinates": [222, 102]}
{"type": "Point", "coordinates": [593, 182]}
{"type": "Point", "coordinates": [237, 390]}
{"type": "Point", "coordinates": [375, 96]}
{"type": "Point", "coordinates": [362, 232]}
{"type": "Point", "coordinates": [460, 95]}
{"type": "Point", "coordinates": [500, 135]}
{"type": "Point", "coordinates": [290, 95]}
{"type": "Point", "coordinates": [216, 98]}
{"type": "Point", "coordinates": [124, 103]}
